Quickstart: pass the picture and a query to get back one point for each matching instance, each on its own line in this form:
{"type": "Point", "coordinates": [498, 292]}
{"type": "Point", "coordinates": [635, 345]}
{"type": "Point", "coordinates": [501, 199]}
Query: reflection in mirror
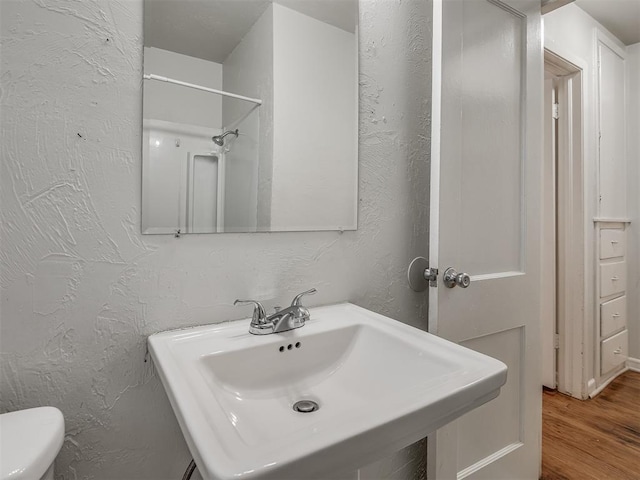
{"type": "Point", "coordinates": [250, 116]}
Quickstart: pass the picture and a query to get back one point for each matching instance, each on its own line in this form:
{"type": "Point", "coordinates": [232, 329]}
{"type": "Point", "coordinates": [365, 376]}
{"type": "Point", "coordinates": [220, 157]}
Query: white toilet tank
{"type": "Point", "coordinates": [29, 443]}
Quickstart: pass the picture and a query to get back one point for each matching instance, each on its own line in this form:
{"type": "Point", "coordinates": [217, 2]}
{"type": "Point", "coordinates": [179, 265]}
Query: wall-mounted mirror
{"type": "Point", "coordinates": [250, 118]}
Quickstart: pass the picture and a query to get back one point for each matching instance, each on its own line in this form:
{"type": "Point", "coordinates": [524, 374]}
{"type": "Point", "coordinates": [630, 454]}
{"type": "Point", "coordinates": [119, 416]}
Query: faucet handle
{"type": "Point", "coordinates": [259, 315]}
{"type": "Point", "coordinates": [297, 301]}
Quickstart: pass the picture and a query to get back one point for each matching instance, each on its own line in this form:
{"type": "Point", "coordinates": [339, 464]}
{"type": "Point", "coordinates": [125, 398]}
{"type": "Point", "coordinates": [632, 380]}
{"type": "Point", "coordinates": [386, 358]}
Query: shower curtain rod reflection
{"type": "Point", "coordinates": [160, 78]}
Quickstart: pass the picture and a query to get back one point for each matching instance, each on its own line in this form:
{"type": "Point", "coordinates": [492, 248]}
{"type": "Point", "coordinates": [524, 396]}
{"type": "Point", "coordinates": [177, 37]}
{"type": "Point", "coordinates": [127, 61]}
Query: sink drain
{"type": "Point", "coordinates": [305, 406]}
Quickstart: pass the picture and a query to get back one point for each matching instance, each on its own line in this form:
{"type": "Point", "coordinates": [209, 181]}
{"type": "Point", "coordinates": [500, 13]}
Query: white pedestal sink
{"type": "Point", "coordinates": [379, 385]}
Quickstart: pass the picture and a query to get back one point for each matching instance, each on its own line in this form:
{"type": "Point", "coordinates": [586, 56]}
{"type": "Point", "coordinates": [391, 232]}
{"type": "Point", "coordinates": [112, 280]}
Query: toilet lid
{"type": "Point", "coordinates": [29, 442]}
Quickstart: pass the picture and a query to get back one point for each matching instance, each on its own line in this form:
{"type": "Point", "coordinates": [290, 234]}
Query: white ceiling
{"type": "Point", "coordinates": [620, 17]}
{"type": "Point", "coordinates": [211, 29]}
{"type": "Point", "coordinates": [339, 13]}
{"type": "Point", "coordinates": [204, 29]}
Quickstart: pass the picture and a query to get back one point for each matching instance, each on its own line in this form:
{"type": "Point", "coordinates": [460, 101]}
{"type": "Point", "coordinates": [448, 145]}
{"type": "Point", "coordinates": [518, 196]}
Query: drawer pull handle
{"type": "Point", "coordinates": [614, 279]}
{"type": "Point", "coordinates": [614, 241]}
{"type": "Point", "coordinates": [617, 351]}
{"type": "Point", "coordinates": [615, 315]}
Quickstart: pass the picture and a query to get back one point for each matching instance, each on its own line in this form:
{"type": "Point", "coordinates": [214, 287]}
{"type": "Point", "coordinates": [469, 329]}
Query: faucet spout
{"type": "Point", "coordinates": [289, 318]}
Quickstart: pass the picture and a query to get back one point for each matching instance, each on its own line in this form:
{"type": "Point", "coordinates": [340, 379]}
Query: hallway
{"type": "Point", "coordinates": [596, 439]}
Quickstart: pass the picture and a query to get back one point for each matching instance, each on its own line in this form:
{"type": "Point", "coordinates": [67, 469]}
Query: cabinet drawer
{"type": "Point", "coordinates": [613, 278]}
{"type": "Point", "coordinates": [614, 351]}
{"type": "Point", "coordinates": [613, 316]}
{"type": "Point", "coordinates": [612, 243]}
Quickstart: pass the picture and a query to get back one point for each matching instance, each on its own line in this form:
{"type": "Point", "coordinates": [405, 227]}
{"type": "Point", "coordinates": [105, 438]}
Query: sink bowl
{"type": "Point", "coordinates": [367, 386]}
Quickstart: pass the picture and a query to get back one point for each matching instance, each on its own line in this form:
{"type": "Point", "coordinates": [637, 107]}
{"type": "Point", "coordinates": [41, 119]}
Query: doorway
{"type": "Point", "coordinates": [564, 331]}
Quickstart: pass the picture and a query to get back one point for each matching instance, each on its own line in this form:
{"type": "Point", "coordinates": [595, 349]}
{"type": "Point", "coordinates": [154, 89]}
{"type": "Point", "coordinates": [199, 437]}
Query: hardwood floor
{"type": "Point", "coordinates": [597, 439]}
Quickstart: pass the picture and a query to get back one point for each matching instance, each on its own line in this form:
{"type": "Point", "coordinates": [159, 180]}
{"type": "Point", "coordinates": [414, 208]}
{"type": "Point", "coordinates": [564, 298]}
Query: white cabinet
{"type": "Point", "coordinates": [614, 351]}
{"type": "Point", "coordinates": [612, 243]}
{"type": "Point", "coordinates": [612, 314]}
{"type": "Point", "coordinates": [611, 222]}
{"type": "Point", "coordinates": [613, 279]}
{"type": "Point", "coordinates": [611, 124]}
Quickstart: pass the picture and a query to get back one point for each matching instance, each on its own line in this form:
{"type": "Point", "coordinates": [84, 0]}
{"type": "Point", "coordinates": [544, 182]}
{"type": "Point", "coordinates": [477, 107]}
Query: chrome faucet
{"type": "Point", "coordinates": [289, 318]}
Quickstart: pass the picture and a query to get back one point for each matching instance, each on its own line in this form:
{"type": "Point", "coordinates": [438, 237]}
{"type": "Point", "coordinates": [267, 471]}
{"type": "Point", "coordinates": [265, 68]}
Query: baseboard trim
{"type": "Point", "coordinates": [633, 364]}
{"type": "Point", "coordinates": [606, 383]}
{"type": "Point", "coordinates": [591, 387]}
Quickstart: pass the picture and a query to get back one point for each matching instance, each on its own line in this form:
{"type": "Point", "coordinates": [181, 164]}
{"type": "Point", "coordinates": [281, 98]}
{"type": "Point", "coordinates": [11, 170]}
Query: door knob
{"type": "Point", "coordinates": [452, 278]}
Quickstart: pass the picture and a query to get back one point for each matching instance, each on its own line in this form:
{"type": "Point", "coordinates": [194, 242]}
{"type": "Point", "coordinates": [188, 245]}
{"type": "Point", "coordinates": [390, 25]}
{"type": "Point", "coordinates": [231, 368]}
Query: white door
{"type": "Point", "coordinates": [486, 221]}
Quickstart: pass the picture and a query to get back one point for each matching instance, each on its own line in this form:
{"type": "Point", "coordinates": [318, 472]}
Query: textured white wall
{"type": "Point", "coordinates": [82, 289]}
{"type": "Point", "coordinates": [633, 183]}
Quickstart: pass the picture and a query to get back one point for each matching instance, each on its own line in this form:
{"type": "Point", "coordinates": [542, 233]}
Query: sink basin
{"type": "Point", "coordinates": [376, 386]}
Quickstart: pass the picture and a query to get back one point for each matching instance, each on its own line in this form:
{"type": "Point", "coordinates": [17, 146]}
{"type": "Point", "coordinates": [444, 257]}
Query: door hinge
{"type": "Point", "coordinates": [556, 341]}
{"type": "Point", "coordinates": [555, 111]}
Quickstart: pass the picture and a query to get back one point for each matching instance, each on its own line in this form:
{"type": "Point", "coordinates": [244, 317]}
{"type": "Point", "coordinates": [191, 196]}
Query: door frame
{"type": "Point", "coordinates": [549, 288]}
{"type": "Point", "coordinates": [571, 249]}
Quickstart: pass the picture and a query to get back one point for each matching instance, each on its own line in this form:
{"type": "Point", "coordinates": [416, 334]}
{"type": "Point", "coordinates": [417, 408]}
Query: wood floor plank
{"type": "Point", "coordinates": [596, 439]}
